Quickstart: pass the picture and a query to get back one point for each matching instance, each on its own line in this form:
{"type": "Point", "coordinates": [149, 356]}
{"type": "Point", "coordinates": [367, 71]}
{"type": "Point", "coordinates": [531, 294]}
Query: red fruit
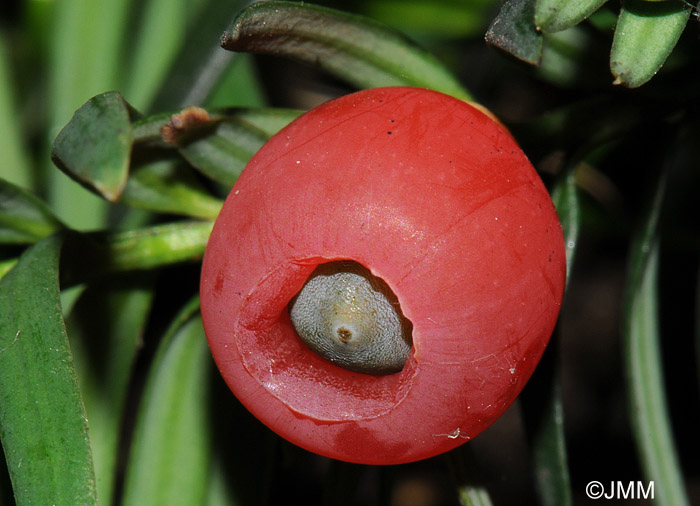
{"type": "Point", "coordinates": [436, 199]}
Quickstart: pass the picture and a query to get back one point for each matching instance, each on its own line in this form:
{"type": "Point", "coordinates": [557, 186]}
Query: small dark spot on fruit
{"type": "Point", "coordinates": [219, 285]}
{"type": "Point", "coordinates": [389, 132]}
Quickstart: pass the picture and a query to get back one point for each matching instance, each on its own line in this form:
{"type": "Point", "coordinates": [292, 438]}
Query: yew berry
{"type": "Point", "coordinates": [383, 277]}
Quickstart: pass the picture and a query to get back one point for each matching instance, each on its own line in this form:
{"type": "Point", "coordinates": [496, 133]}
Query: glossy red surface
{"type": "Point", "coordinates": [434, 197]}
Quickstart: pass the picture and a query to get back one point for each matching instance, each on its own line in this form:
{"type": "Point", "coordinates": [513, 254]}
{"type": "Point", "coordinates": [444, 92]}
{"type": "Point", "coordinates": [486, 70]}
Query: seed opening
{"type": "Point", "coordinates": [344, 335]}
{"type": "Point", "coordinates": [352, 318]}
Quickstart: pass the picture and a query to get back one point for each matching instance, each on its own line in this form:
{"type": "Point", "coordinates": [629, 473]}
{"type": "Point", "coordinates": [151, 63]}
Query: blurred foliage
{"type": "Point", "coordinates": [151, 121]}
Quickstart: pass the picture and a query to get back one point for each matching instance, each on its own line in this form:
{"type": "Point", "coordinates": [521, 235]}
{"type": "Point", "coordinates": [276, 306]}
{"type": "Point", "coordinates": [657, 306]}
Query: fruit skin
{"type": "Point", "coordinates": [433, 196]}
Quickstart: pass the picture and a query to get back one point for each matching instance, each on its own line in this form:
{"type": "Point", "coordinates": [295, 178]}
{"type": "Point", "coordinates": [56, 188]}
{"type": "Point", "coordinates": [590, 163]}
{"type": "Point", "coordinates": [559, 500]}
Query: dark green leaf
{"type": "Point", "coordinates": [226, 146]}
{"type": "Point", "coordinates": [356, 49]}
{"type": "Point", "coordinates": [269, 121]}
{"type": "Point", "coordinates": [549, 452]}
{"type": "Point", "coordinates": [169, 186]}
{"type": "Point", "coordinates": [650, 415]}
{"type": "Point", "coordinates": [558, 15]}
{"type": "Point", "coordinates": [171, 451]}
{"type": "Point", "coordinates": [148, 129]}
{"type": "Point", "coordinates": [223, 152]}
{"type": "Point", "coordinates": [514, 32]}
{"type": "Point", "coordinates": [436, 18]}
{"type": "Point", "coordinates": [95, 146]}
{"type": "Point", "coordinates": [42, 417]}
{"type": "Point", "coordinates": [105, 329]}
{"type": "Point", "coordinates": [99, 254]}
{"type": "Point", "coordinates": [24, 218]}
{"type": "Point", "coordinates": [565, 197]}
{"type": "Point", "coordinates": [645, 35]}
{"type": "Point", "coordinates": [544, 421]}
